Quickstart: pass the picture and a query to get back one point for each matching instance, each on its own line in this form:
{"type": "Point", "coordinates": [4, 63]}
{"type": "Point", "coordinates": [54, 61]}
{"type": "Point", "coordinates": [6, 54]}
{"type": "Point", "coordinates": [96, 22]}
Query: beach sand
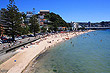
{"type": "Point", "coordinates": [21, 60]}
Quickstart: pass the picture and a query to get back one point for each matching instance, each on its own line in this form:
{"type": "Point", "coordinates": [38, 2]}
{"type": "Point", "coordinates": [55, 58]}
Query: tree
{"type": "Point", "coordinates": [55, 27]}
{"type": "Point", "coordinates": [50, 28]}
{"type": "Point", "coordinates": [1, 29]}
{"type": "Point", "coordinates": [34, 27]}
{"type": "Point", "coordinates": [43, 29]}
{"type": "Point", "coordinates": [12, 20]}
{"type": "Point", "coordinates": [25, 29]}
{"type": "Point", "coordinates": [24, 16]}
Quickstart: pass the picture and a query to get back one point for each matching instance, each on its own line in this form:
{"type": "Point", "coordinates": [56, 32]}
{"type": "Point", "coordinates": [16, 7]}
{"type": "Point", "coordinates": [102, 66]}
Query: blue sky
{"type": "Point", "coordinates": [69, 10]}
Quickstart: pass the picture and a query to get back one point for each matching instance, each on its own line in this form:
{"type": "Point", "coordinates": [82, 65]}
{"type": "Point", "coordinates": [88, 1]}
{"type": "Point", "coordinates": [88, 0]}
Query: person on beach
{"type": "Point", "coordinates": [4, 46]}
{"type": "Point", "coordinates": [20, 42]}
{"type": "Point", "coordinates": [29, 39]}
{"type": "Point", "coordinates": [24, 46]}
{"type": "Point", "coordinates": [9, 45]}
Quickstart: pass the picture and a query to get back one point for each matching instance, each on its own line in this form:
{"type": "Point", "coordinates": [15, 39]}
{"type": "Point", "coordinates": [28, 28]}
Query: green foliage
{"type": "Point", "coordinates": [25, 30]}
{"type": "Point", "coordinates": [56, 20]}
{"type": "Point", "coordinates": [12, 20]}
{"type": "Point", "coordinates": [50, 28]}
{"type": "Point", "coordinates": [34, 27]}
{"type": "Point", "coordinates": [24, 16]}
{"type": "Point", "coordinates": [1, 29]}
{"type": "Point", "coordinates": [43, 29]}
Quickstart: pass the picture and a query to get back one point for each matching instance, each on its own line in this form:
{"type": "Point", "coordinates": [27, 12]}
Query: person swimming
{"type": "Point", "coordinates": [73, 45]}
{"type": "Point", "coordinates": [101, 40]}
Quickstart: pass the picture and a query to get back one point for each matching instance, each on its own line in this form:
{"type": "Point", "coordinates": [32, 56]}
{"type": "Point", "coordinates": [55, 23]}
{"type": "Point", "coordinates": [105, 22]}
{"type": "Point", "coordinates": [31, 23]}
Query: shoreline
{"type": "Point", "coordinates": [38, 57]}
{"type": "Point", "coordinates": [27, 55]}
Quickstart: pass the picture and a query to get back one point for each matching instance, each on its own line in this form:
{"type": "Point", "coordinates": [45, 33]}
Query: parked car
{"type": "Point", "coordinates": [0, 41]}
{"type": "Point", "coordinates": [18, 38]}
{"type": "Point", "coordinates": [30, 35]}
{"type": "Point", "coordinates": [4, 41]}
{"type": "Point", "coordinates": [24, 36]}
{"type": "Point", "coordinates": [3, 38]}
{"type": "Point", "coordinates": [9, 40]}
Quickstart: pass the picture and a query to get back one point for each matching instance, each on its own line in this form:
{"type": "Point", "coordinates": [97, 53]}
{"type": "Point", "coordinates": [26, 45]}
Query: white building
{"type": "Point", "coordinates": [41, 18]}
{"type": "Point", "coordinates": [76, 25]}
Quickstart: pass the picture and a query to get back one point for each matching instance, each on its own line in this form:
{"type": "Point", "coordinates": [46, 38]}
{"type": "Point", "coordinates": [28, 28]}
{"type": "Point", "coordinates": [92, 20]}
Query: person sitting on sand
{"type": "Point", "coordinates": [4, 47]}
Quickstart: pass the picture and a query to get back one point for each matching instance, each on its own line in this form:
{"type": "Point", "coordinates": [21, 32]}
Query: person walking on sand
{"type": "Point", "coordinates": [29, 39]}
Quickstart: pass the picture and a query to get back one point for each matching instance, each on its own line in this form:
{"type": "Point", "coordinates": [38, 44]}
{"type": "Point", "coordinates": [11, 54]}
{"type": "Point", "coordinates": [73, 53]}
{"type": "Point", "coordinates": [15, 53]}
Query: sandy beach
{"type": "Point", "coordinates": [21, 60]}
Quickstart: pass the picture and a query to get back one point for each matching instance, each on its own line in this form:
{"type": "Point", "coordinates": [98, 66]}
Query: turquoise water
{"type": "Point", "coordinates": [87, 53]}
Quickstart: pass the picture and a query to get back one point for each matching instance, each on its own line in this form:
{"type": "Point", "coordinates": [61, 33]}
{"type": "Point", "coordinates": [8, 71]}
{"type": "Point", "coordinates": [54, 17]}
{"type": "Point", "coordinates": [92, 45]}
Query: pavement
{"type": "Point", "coordinates": [6, 46]}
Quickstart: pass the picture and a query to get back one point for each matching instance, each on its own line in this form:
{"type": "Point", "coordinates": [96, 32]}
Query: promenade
{"type": "Point", "coordinates": [18, 43]}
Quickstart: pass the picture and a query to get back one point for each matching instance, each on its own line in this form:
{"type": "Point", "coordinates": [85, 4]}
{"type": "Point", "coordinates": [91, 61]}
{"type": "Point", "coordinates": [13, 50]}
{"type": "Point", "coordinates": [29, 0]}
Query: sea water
{"type": "Point", "coordinates": [86, 53]}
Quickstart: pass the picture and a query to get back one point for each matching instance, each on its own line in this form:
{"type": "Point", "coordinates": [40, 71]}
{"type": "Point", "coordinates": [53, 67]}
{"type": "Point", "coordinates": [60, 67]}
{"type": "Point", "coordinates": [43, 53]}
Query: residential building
{"type": "Point", "coordinates": [44, 12]}
{"type": "Point", "coordinates": [28, 16]}
{"type": "Point", "coordinates": [62, 28]}
{"type": "Point", "coordinates": [41, 17]}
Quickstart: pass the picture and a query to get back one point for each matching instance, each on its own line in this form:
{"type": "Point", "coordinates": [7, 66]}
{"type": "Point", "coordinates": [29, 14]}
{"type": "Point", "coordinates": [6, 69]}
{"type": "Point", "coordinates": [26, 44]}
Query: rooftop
{"type": "Point", "coordinates": [44, 11]}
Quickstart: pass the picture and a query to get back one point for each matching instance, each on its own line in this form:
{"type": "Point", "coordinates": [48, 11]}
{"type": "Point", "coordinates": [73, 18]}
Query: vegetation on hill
{"type": "Point", "coordinates": [56, 20]}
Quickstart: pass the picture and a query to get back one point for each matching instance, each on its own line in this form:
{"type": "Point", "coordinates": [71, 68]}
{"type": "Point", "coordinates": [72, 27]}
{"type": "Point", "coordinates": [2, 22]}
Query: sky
{"type": "Point", "coordinates": [69, 10]}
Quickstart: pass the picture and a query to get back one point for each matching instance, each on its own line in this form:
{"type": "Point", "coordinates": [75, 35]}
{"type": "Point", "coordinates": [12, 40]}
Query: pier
{"type": "Point", "coordinates": [98, 28]}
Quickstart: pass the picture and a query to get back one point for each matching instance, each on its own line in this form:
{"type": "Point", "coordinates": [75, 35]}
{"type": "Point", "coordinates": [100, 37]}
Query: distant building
{"type": "Point", "coordinates": [22, 13]}
{"type": "Point", "coordinates": [89, 24]}
{"type": "Point", "coordinates": [76, 26]}
{"type": "Point", "coordinates": [62, 28]}
{"type": "Point", "coordinates": [28, 16]}
{"type": "Point", "coordinates": [72, 25]}
{"type": "Point", "coordinates": [41, 19]}
{"type": "Point", "coordinates": [44, 12]}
